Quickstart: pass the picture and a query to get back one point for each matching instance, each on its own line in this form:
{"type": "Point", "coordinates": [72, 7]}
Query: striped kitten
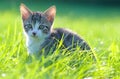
{"type": "Point", "coordinates": [40, 36]}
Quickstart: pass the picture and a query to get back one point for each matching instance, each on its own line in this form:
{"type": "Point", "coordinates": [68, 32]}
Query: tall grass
{"type": "Point", "coordinates": [101, 33]}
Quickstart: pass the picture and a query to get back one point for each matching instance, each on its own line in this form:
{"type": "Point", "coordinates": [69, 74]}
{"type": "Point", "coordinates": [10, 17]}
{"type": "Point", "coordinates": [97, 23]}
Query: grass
{"type": "Point", "coordinates": [100, 29]}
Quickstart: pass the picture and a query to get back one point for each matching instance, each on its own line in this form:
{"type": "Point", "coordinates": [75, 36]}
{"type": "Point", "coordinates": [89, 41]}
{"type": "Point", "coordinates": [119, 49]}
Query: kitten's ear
{"type": "Point", "coordinates": [50, 13]}
{"type": "Point", "coordinates": [25, 12]}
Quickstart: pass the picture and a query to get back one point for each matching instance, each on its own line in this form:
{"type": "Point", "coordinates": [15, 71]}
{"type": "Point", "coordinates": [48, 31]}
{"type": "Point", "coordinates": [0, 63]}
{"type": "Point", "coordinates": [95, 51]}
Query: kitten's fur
{"type": "Point", "coordinates": [41, 36]}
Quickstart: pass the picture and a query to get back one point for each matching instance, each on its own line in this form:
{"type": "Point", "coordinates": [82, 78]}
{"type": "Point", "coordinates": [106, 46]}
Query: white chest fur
{"type": "Point", "coordinates": [34, 45]}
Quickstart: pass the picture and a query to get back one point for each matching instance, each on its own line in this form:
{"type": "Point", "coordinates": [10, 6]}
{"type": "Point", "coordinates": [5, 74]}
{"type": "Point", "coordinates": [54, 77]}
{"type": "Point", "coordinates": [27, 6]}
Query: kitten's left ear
{"type": "Point", "coordinates": [25, 12]}
{"type": "Point", "coordinates": [50, 14]}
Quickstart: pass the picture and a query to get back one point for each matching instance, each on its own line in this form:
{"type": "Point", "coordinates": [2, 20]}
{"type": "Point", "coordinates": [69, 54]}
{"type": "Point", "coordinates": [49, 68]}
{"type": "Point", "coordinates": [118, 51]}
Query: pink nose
{"type": "Point", "coordinates": [34, 33]}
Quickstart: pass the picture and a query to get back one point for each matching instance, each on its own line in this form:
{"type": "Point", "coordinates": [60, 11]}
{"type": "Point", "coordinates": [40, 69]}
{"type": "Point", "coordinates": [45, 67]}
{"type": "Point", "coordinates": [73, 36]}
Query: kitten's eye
{"type": "Point", "coordinates": [28, 26]}
{"type": "Point", "coordinates": [41, 27]}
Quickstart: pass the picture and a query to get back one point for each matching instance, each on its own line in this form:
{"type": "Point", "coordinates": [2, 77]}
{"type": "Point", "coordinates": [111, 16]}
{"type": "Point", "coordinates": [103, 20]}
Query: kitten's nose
{"type": "Point", "coordinates": [34, 33]}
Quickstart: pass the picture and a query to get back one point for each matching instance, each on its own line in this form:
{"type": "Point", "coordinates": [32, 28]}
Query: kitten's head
{"type": "Point", "coordinates": [37, 24]}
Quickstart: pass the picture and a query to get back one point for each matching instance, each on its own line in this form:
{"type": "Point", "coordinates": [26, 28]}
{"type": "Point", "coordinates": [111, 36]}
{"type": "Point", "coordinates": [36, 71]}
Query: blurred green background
{"type": "Point", "coordinates": [85, 17]}
{"type": "Point", "coordinates": [97, 21]}
{"type": "Point", "coordinates": [73, 9]}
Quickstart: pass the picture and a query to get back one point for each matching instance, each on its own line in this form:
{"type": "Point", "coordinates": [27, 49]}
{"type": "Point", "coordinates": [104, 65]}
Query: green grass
{"type": "Point", "coordinates": [100, 29]}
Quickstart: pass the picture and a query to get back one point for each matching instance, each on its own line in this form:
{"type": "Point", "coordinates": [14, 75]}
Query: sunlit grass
{"type": "Point", "coordinates": [102, 35]}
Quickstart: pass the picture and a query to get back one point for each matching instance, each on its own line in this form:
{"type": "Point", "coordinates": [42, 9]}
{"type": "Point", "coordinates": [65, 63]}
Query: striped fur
{"type": "Point", "coordinates": [40, 34]}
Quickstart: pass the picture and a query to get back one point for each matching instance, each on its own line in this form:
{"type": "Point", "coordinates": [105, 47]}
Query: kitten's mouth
{"type": "Point", "coordinates": [34, 36]}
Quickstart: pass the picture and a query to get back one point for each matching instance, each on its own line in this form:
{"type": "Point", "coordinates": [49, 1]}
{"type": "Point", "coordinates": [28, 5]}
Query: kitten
{"type": "Point", "coordinates": [40, 35]}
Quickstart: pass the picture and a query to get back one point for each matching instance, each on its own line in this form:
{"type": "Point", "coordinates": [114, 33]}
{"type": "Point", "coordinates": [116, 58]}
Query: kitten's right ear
{"type": "Point", "coordinates": [25, 12]}
{"type": "Point", "coordinates": [50, 13]}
